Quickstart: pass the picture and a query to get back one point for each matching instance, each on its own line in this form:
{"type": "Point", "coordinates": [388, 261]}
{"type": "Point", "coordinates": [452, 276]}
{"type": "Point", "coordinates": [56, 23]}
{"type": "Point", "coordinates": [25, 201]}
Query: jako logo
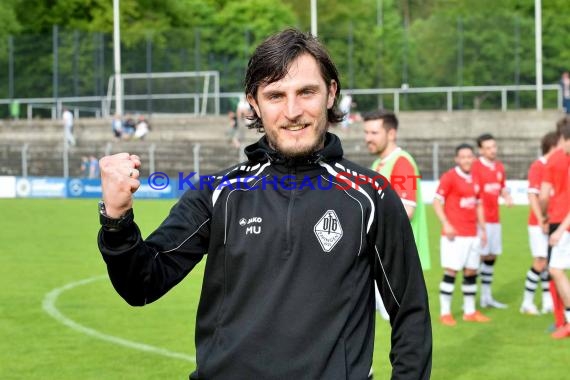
{"type": "Point", "coordinates": [252, 228]}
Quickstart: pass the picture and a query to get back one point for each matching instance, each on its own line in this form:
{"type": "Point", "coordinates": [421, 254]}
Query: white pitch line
{"type": "Point", "coordinates": [48, 305]}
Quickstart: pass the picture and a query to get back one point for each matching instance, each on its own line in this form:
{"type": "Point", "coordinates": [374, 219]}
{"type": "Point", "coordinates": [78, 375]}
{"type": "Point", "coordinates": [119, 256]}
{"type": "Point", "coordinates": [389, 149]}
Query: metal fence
{"type": "Point", "coordinates": [445, 98]}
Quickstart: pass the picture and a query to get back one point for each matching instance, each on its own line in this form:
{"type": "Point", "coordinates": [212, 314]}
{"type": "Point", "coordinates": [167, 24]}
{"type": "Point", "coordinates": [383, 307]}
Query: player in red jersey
{"type": "Point", "coordinates": [555, 197]}
{"type": "Point", "coordinates": [457, 206]}
{"type": "Point", "coordinates": [489, 174]}
{"type": "Point", "coordinates": [538, 238]}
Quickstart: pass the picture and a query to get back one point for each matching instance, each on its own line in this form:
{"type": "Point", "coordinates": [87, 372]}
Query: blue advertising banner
{"type": "Point", "coordinates": [41, 187]}
{"type": "Point", "coordinates": [166, 190]}
{"type": "Point", "coordinates": [83, 188]}
{"type": "Point", "coordinates": [91, 188]}
{"type": "Point", "coordinates": [55, 187]}
{"type": "Point", "coordinates": [161, 187]}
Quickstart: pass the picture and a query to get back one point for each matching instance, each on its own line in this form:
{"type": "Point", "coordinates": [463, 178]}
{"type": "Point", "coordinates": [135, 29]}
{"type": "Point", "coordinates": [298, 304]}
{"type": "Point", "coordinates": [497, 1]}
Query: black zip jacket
{"type": "Point", "coordinates": [292, 250]}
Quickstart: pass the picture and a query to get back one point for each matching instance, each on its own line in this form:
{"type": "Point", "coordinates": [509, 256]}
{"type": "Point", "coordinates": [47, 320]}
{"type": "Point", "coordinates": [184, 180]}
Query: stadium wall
{"type": "Point", "coordinates": [429, 136]}
{"type": "Point", "coordinates": [168, 188]}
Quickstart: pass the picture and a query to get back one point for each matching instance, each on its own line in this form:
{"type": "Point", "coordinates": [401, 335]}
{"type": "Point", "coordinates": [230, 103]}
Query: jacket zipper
{"type": "Point", "coordinates": [288, 242]}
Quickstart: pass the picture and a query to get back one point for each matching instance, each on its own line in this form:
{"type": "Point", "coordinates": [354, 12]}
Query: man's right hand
{"type": "Point", "coordinates": [449, 231]}
{"type": "Point", "coordinates": [119, 180]}
{"type": "Point", "coordinates": [555, 237]}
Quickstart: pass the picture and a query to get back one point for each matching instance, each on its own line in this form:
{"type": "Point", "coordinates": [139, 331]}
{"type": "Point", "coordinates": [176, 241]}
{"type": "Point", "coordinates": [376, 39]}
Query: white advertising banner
{"type": "Point", "coordinates": [7, 187]}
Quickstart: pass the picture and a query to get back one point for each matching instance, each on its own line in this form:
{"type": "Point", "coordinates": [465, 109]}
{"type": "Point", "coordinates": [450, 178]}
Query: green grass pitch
{"type": "Point", "coordinates": [46, 245]}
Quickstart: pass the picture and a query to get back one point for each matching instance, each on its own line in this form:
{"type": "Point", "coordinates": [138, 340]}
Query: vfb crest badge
{"type": "Point", "coordinates": [328, 230]}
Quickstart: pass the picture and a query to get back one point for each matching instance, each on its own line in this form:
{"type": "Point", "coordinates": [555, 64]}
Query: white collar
{"type": "Point", "coordinates": [487, 163]}
{"type": "Point", "coordinates": [389, 157]}
{"type": "Point", "coordinates": [462, 174]}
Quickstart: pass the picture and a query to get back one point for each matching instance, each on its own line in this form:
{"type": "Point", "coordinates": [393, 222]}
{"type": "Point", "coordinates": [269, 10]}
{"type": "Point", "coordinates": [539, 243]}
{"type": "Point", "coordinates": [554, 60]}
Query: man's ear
{"type": "Point", "coordinates": [332, 94]}
{"type": "Point", "coordinates": [252, 102]}
{"type": "Point", "coordinates": [392, 134]}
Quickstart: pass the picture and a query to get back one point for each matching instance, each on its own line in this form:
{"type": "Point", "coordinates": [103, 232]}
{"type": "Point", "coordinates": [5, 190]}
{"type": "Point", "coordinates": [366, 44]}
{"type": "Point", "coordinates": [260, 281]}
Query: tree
{"type": "Point", "coordinates": [375, 43]}
{"type": "Point", "coordinates": [240, 27]}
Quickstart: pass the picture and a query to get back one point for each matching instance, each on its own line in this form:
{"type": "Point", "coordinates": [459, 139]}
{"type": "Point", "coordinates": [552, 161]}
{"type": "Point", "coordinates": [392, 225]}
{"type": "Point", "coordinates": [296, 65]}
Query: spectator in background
{"type": "Point", "coordinates": [93, 167]}
{"type": "Point", "coordinates": [234, 130]}
{"type": "Point", "coordinates": [244, 113]}
{"type": "Point", "coordinates": [67, 117]}
{"type": "Point", "coordinates": [129, 127]}
{"type": "Point", "coordinates": [141, 128]}
{"type": "Point", "coordinates": [84, 167]}
{"type": "Point", "coordinates": [345, 106]}
{"type": "Point", "coordinates": [117, 126]}
{"type": "Point", "coordinates": [565, 84]}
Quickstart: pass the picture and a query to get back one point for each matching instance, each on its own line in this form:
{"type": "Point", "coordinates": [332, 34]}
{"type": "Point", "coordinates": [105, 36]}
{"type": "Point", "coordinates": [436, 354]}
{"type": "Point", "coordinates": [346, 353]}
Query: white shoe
{"type": "Point", "coordinates": [547, 309]}
{"type": "Point", "coordinates": [490, 302]}
{"type": "Point", "coordinates": [529, 309]}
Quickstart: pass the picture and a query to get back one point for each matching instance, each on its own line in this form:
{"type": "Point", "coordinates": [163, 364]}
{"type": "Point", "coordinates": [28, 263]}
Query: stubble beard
{"type": "Point", "coordinates": [296, 153]}
{"type": "Point", "coordinates": [305, 151]}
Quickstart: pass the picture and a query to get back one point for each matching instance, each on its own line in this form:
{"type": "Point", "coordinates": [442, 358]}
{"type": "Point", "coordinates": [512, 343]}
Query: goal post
{"type": "Point", "coordinates": [195, 92]}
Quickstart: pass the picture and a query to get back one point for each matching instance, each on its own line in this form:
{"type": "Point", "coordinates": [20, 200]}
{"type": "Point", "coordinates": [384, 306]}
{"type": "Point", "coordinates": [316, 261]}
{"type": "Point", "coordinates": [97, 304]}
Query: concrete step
{"type": "Point", "coordinates": [517, 132]}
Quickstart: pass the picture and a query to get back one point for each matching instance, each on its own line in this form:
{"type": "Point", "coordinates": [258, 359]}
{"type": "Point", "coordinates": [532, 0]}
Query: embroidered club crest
{"type": "Point", "coordinates": [328, 230]}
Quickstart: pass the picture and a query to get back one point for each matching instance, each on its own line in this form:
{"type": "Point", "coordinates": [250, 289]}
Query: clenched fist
{"type": "Point", "coordinates": [119, 180]}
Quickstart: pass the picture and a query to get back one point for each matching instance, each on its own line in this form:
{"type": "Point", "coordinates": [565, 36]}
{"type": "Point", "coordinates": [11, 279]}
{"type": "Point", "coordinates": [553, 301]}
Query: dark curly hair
{"type": "Point", "coordinates": [271, 59]}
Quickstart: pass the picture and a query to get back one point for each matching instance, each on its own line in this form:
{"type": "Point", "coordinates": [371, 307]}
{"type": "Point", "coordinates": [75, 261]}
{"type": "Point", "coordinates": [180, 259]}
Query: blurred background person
{"type": "Point", "coordinates": [554, 199]}
{"type": "Point", "coordinates": [244, 113]}
{"type": "Point", "coordinates": [233, 132]}
{"type": "Point", "coordinates": [117, 126]}
{"type": "Point", "coordinates": [345, 106]}
{"type": "Point", "coordinates": [489, 174]}
{"type": "Point", "coordinates": [538, 239]}
{"type": "Point", "coordinates": [67, 117]}
{"type": "Point", "coordinates": [129, 127]}
{"type": "Point", "coordinates": [458, 208]}
{"type": "Point", "coordinates": [401, 170]}
{"type": "Point", "coordinates": [84, 168]}
{"type": "Point", "coordinates": [93, 167]}
{"type": "Point", "coordinates": [142, 128]}
{"type": "Point", "coordinates": [565, 85]}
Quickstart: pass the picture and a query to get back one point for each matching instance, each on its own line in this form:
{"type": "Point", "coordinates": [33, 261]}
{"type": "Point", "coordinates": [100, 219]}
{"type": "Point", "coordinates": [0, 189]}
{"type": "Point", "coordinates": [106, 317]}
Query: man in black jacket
{"type": "Point", "coordinates": [293, 239]}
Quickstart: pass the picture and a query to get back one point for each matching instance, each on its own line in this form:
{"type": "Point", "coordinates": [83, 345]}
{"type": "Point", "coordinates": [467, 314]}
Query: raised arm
{"type": "Point", "coordinates": [143, 270]}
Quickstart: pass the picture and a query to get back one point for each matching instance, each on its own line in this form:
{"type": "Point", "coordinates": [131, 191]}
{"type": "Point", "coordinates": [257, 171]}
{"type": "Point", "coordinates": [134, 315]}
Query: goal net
{"type": "Point", "coordinates": [189, 92]}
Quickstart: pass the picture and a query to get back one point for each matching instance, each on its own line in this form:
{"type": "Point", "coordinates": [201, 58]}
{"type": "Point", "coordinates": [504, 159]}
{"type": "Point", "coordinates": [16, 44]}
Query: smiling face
{"type": "Point", "coordinates": [464, 159]}
{"type": "Point", "coordinates": [294, 109]}
{"type": "Point", "coordinates": [377, 138]}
